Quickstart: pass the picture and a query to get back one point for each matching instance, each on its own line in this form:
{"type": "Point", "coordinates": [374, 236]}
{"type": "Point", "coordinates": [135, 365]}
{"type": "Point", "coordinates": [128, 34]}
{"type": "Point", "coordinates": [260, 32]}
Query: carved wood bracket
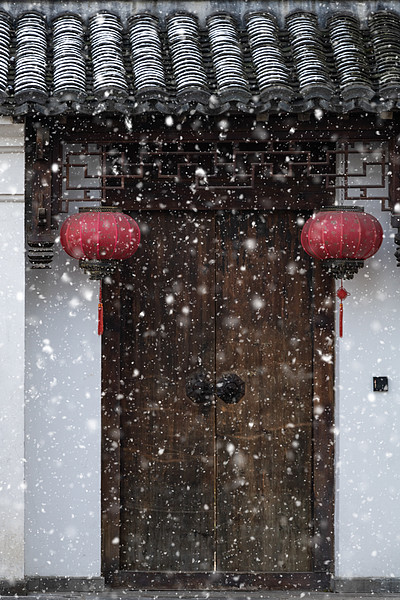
{"type": "Point", "coordinates": [40, 210]}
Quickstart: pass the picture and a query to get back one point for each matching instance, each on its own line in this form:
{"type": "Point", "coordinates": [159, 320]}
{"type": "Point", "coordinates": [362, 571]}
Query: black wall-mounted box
{"type": "Point", "coordinates": [380, 384]}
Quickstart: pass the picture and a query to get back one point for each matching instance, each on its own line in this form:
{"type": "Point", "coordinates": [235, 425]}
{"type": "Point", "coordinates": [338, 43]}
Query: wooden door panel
{"type": "Point", "coordinates": [167, 449]}
{"type": "Point", "coordinates": [223, 496]}
{"type": "Point", "coordinates": [264, 335]}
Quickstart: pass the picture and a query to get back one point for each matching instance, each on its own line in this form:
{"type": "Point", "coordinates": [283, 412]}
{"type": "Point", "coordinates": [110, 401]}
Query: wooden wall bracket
{"type": "Point", "coordinates": [40, 189]}
{"type": "Point", "coordinates": [395, 222]}
{"type": "Point", "coordinates": [394, 191]}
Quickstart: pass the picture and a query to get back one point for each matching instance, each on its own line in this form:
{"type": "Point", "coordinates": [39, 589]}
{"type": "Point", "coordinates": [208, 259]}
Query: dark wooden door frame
{"type": "Point", "coordinates": [323, 463]}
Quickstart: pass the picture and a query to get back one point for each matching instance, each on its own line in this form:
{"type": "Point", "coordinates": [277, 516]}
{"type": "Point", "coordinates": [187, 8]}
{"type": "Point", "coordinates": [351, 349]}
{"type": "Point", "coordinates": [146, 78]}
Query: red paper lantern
{"type": "Point", "coordinates": [343, 237]}
{"type": "Point", "coordinates": [99, 238]}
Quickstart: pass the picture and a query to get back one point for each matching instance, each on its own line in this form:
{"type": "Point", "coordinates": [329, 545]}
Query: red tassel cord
{"type": "Point", "coordinates": [342, 295]}
{"type": "Point", "coordinates": [100, 322]}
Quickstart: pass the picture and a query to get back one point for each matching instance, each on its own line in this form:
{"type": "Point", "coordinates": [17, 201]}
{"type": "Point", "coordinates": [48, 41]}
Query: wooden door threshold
{"type": "Point", "coordinates": [143, 580]}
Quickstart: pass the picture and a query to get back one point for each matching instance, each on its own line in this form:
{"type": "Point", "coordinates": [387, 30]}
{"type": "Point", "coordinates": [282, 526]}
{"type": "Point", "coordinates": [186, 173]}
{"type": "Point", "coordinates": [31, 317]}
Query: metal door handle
{"type": "Point", "coordinates": [200, 389]}
{"type": "Point", "coordinates": [230, 388]}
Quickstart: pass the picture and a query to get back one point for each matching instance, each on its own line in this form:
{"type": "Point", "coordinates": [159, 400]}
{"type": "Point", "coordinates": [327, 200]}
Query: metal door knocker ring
{"type": "Point", "coordinates": [200, 389]}
{"type": "Point", "coordinates": [230, 388]}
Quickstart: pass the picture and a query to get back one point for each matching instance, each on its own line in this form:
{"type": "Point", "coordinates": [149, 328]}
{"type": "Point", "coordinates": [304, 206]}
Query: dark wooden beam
{"type": "Point", "coordinates": [41, 227]}
{"type": "Point", "coordinates": [231, 128]}
{"type": "Point", "coordinates": [323, 442]}
{"type": "Point", "coordinates": [110, 444]}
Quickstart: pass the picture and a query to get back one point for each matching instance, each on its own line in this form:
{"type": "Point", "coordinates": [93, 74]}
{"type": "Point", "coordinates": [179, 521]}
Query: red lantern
{"type": "Point", "coordinates": [99, 238]}
{"type": "Point", "coordinates": [343, 237]}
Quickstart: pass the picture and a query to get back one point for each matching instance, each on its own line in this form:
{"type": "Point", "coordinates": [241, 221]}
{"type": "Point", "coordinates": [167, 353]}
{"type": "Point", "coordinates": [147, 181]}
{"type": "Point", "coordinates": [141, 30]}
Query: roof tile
{"type": "Point", "coordinates": [141, 63]}
{"type": "Point", "coordinates": [309, 55]}
{"type": "Point", "coordinates": [385, 35]}
{"type": "Point", "coordinates": [272, 72]}
{"type": "Point", "coordinates": [350, 56]}
{"type": "Point", "coordinates": [147, 56]}
{"type": "Point", "coordinates": [186, 55]}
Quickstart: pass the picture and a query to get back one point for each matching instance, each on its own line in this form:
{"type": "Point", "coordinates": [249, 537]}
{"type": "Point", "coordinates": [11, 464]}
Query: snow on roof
{"type": "Point", "coordinates": [251, 63]}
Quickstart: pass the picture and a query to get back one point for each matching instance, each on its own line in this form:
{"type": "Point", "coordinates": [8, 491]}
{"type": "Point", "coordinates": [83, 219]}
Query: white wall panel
{"type": "Point", "coordinates": [12, 275]}
{"type": "Point", "coordinates": [62, 422]}
{"type": "Point", "coordinates": [368, 441]}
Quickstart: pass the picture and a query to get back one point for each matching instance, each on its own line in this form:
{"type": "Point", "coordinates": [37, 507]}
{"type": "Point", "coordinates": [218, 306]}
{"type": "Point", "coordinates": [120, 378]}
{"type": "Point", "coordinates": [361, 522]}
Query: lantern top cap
{"type": "Point", "coordinates": [341, 208]}
{"type": "Point", "coordinates": [84, 209]}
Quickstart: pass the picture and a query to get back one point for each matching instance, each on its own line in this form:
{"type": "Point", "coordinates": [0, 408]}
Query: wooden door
{"type": "Point", "coordinates": [264, 334]}
{"type": "Point", "coordinates": [222, 494]}
{"type": "Point", "coordinates": [167, 449]}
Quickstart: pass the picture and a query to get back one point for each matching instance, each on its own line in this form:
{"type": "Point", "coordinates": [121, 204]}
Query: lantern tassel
{"type": "Point", "coordinates": [342, 295]}
{"type": "Point", "coordinates": [100, 320]}
{"type": "Point", "coordinates": [341, 320]}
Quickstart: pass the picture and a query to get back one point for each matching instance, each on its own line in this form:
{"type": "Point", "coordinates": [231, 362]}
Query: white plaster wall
{"type": "Point", "coordinates": [63, 387]}
{"type": "Point", "coordinates": [12, 277]}
{"type": "Point", "coordinates": [368, 441]}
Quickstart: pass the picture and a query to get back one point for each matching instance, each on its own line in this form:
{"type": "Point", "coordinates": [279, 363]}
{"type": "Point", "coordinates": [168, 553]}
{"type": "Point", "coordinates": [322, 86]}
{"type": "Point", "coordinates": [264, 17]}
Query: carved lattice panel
{"type": "Point", "coordinates": [357, 170]}
{"type": "Point", "coordinates": [362, 172]}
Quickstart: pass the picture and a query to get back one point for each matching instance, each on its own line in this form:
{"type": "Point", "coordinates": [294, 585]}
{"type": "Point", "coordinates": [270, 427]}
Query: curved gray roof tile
{"type": "Point", "coordinates": [272, 71]}
{"type": "Point", "coordinates": [309, 56]}
{"type": "Point", "coordinates": [350, 54]}
{"type": "Point", "coordinates": [384, 29]}
{"type": "Point", "coordinates": [149, 78]}
{"type": "Point", "coordinates": [140, 63]}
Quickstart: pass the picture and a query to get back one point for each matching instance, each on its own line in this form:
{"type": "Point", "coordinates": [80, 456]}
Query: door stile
{"type": "Point", "coordinates": [323, 422]}
{"type": "Point", "coordinates": [110, 444]}
{"type": "Point", "coordinates": [214, 406]}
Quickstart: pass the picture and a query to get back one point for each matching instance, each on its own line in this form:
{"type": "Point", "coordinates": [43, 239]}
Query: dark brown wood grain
{"type": "Point", "coordinates": [264, 334]}
{"type": "Point", "coordinates": [110, 451]}
{"type": "Point", "coordinates": [323, 425]}
{"type": "Point", "coordinates": [239, 127]}
{"type": "Point", "coordinates": [167, 451]}
{"type": "Point", "coordinates": [284, 195]}
{"type": "Point", "coordinates": [228, 489]}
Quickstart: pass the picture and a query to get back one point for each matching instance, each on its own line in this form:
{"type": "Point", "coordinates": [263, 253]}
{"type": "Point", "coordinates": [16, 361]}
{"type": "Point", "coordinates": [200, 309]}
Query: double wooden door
{"type": "Point", "coordinates": [225, 487]}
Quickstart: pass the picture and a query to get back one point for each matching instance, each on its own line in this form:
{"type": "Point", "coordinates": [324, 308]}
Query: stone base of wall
{"type": "Point", "coordinates": [366, 585]}
{"type": "Point", "coordinates": [12, 588]}
{"type": "Point", "coordinates": [42, 585]}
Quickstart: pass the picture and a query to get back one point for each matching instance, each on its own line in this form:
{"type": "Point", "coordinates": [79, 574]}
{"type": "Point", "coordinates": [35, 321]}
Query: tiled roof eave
{"type": "Point", "coordinates": [336, 106]}
{"type": "Point", "coordinates": [147, 64]}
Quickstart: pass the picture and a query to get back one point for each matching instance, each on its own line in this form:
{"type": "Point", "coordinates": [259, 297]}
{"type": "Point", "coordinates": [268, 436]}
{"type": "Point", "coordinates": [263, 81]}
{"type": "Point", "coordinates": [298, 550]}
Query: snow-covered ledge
{"type": "Point", "coordinates": [12, 317]}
